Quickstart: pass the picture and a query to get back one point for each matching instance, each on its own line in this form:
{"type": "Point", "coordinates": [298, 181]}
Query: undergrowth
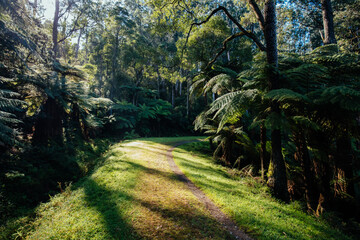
{"type": "Point", "coordinates": [42, 172]}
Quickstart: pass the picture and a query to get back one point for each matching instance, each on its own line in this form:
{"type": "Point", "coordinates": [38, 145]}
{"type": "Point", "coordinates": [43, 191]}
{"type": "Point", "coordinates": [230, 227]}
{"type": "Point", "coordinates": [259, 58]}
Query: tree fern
{"type": "Point", "coordinates": [9, 122]}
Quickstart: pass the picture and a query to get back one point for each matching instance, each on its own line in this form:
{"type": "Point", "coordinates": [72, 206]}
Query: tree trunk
{"type": "Point", "coordinates": [328, 21]}
{"type": "Point", "coordinates": [344, 164]}
{"type": "Point", "coordinates": [87, 47]}
{"type": "Point", "coordinates": [187, 99]}
{"type": "Point", "coordinates": [55, 29]}
{"type": "Point", "coordinates": [114, 63]}
{"type": "Point", "coordinates": [172, 94]}
{"type": "Point", "coordinates": [279, 174]}
{"type": "Point", "coordinates": [180, 88]}
{"type": "Point", "coordinates": [302, 154]}
{"type": "Point", "coordinates": [264, 161]}
{"type": "Point", "coordinates": [78, 44]}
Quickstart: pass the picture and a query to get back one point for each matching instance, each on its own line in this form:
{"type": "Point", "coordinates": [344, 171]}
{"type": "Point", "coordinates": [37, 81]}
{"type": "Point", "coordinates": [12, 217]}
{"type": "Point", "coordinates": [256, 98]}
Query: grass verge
{"type": "Point", "coordinates": [40, 174]}
{"type": "Point", "coordinates": [249, 202]}
{"type": "Point", "coordinates": [131, 194]}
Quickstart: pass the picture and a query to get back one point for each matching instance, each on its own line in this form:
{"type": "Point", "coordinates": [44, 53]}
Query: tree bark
{"type": "Point", "coordinates": [187, 99]}
{"type": "Point", "coordinates": [173, 94]}
{"type": "Point", "coordinates": [302, 154]}
{"type": "Point", "coordinates": [328, 21]}
{"type": "Point", "coordinates": [344, 164]}
{"type": "Point", "coordinates": [114, 61]}
{"type": "Point", "coordinates": [264, 163]}
{"type": "Point", "coordinates": [78, 44]}
{"type": "Point", "coordinates": [279, 174]}
{"type": "Point", "coordinates": [55, 29]}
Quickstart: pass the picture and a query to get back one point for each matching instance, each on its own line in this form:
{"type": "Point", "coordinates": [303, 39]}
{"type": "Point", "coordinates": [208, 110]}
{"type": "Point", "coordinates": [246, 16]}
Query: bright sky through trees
{"type": "Point", "coordinates": [49, 8]}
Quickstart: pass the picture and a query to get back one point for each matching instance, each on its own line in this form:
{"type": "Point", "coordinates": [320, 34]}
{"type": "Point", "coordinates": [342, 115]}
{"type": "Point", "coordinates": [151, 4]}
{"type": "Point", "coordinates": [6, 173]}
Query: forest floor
{"type": "Point", "coordinates": [138, 192]}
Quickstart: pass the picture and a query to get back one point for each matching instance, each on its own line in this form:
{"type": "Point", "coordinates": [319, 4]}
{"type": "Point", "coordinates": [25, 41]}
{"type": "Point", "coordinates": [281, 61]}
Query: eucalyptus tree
{"type": "Point", "coordinates": [328, 22]}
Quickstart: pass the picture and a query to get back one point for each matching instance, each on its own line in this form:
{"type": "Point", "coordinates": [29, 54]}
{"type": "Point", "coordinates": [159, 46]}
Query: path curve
{"type": "Point", "coordinates": [216, 212]}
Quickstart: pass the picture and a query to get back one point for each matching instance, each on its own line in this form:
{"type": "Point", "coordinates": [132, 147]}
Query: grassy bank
{"type": "Point", "coordinates": [42, 173]}
{"type": "Point", "coordinates": [248, 201]}
{"type": "Point", "coordinates": [132, 194]}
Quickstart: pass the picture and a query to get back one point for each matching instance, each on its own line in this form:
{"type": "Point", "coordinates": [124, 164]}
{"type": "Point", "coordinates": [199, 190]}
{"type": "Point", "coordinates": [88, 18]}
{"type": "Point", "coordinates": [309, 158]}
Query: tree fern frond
{"type": "Point", "coordinates": [305, 122]}
{"type": "Point", "coordinates": [342, 96]}
{"type": "Point", "coordinates": [328, 49]}
{"type": "Point", "coordinates": [196, 88]}
{"type": "Point", "coordinates": [218, 84]}
{"type": "Point", "coordinates": [286, 95]}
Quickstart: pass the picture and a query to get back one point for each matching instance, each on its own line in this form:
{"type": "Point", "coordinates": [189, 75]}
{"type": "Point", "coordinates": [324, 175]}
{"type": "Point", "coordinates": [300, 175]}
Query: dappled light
{"type": "Point", "coordinates": [179, 119]}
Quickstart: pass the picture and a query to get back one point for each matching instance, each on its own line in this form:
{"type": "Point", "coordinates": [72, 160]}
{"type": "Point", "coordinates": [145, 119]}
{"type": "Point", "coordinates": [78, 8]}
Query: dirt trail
{"type": "Point", "coordinates": [164, 207]}
{"type": "Point", "coordinates": [215, 212]}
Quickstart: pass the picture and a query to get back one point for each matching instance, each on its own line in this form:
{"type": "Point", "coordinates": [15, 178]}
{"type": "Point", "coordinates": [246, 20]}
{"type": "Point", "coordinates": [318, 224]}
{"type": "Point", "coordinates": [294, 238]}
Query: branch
{"type": "Point", "coordinates": [250, 35]}
{"type": "Point", "coordinates": [73, 29]}
{"type": "Point", "coordinates": [186, 8]}
{"type": "Point", "coordinates": [232, 37]}
{"type": "Point", "coordinates": [258, 13]}
{"type": "Point", "coordinates": [66, 10]}
{"type": "Point", "coordinates": [198, 24]}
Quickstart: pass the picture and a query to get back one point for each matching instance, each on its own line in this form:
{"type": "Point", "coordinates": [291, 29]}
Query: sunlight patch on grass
{"type": "Point", "coordinates": [132, 194]}
{"type": "Point", "coordinates": [248, 202]}
{"type": "Point", "coordinates": [167, 209]}
{"type": "Point", "coordinates": [97, 208]}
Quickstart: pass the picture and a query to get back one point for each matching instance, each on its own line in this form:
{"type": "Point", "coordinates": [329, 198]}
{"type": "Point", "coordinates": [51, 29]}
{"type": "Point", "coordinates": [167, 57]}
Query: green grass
{"type": "Point", "coordinates": [131, 194]}
{"type": "Point", "coordinates": [249, 202]}
{"type": "Point", "coordinates": [96, 208]}
{"type": "Point", "coordinates": [44, 172]}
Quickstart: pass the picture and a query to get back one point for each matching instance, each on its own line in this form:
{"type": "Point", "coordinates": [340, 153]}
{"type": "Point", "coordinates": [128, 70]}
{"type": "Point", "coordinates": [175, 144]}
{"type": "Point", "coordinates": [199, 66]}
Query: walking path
{"type": "Point", "coordinates": [222, 218]}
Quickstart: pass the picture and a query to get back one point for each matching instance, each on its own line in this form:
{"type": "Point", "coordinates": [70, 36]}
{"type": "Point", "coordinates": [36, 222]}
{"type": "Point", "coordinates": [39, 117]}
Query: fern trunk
{"type": "Point", "coordinates": [344, 164]}
{"type": "Point", "coordinates": [49, 124]}
{"type": "Point", "coordinates": [302, 155]}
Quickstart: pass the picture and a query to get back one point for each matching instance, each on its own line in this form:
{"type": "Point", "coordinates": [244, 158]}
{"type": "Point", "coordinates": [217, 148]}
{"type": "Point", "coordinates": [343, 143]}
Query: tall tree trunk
{"type": "Point", "coordinates": [114, 62]}
{"type": "Point", "coordinates": [279, 174]}
{"type": "Point", "coordinates": [86, 47]}
{"type": "Point", "coordinates": [264, 161]}
{"type": "Point", "coordinates": [187, 99]}
{"type": "Point", "coordinates": [328, 21]}
{"type": "Point", "coordinates": [172, 94]}
{"type": "Point", "coordinates": [55, 29]}
{"type": "Point", "coordinates": [78, 44]}
{"type": "Point", "coordinates": [302, 154]}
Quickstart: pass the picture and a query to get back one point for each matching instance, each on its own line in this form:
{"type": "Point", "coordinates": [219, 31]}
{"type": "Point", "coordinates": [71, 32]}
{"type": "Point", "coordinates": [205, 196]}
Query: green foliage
{"type": "Point", "coordinates": [43, 172]}
{"type": "Point", "coordinates": [9, 122]}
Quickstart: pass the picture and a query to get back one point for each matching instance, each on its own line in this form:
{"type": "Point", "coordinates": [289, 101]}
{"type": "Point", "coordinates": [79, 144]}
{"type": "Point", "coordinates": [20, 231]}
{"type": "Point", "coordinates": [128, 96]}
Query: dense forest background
{"type": "Point", "coordinates": [275, 86]}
